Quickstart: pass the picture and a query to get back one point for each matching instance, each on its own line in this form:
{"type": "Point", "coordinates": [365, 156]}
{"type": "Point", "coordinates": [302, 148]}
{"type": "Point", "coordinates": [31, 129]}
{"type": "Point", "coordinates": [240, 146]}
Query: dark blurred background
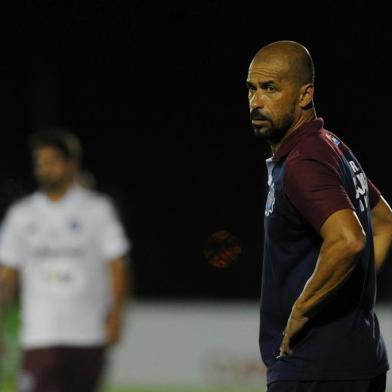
{"type": "Point", "coordinates": [156, 92]}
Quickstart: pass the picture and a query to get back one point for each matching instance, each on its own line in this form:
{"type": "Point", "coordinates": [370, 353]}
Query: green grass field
{"type": "Point", "coordinates": [10, 387]}
{"type": "Point", "coordinates": [188, 389]}
{"type": "Point", "coordinates": [185, 389]}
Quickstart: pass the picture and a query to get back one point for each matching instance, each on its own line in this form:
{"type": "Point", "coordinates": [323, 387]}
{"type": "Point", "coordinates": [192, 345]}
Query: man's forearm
{"type": "Point", "coordinates": [118, 283]}
{"type": "Point", "coordinates": [8, 282]}
{"type": "Point", "coordinates": [343, 240]}
{"type": "Point", "coordinates": [115, 315]}
{"type": "Point", "coordinates": [382, 246]}
{"type": "Point", "coordinates": [382, 231]}
{"type": "Point", "coordinates": [336, 262]}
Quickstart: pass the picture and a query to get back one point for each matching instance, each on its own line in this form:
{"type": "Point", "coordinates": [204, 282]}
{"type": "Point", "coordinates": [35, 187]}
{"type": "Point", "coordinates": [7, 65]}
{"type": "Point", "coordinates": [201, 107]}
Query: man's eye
{"type": "Point", "coordinates": [269, 88]}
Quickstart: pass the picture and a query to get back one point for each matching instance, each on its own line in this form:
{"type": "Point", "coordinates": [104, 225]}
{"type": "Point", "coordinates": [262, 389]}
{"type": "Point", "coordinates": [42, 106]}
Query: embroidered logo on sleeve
{"type": "Point", "coordinates": [361, 186]}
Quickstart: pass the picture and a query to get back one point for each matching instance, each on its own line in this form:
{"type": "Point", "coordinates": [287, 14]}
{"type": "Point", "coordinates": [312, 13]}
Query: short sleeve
{"type": "Point", "coordinates": [113, 241]}
{"type": "Point", "coordinates": [315, 189]}
{"type": "Point", "coordinates": [374, 195]}
{"type": "Point", "coordinates": [11, 241]}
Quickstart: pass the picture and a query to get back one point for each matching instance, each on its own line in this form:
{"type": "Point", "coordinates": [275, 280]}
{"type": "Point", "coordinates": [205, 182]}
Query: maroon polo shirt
{"type": "Point", "coordinates": [311, 176]}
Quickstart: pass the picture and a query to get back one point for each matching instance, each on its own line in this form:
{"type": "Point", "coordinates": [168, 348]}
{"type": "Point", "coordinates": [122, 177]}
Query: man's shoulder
{"type": "Point", "coordinates": [93, 199]}
{"type": "Point", "coordinates": [323, 146]}
{"type": "Point", "coordinates": [23, 203]}
{"type": "Point", "coordinates": [21, 209]}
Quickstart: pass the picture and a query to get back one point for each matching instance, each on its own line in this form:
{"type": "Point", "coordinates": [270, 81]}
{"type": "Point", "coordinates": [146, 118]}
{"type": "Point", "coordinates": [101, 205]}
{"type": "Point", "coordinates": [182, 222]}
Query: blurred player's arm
{"type": "Point", "coordinates": [119, 287]}
{"type": "Point", "coordinates": [343, 240]}
{"type": "Point", "coordinates": [8, 284]}
{"type": "Point", "coordinates": [382, 231]}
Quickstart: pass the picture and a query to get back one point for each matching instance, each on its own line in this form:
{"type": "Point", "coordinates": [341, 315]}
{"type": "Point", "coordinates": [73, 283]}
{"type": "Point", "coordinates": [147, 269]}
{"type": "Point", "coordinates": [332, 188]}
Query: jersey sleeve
{"type": "Point", "coordinates": [11, 241]}
{"type": "Point", "coordinates": [374, 195]}
{"type": "Point", "coordinates": [315, 189]}
{"type": "Point", "coordinates": [113, 241]}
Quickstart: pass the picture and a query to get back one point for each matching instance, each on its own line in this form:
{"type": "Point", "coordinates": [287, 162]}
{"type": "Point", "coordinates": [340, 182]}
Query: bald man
{"type": "Point", "coordinates": [327, 231]}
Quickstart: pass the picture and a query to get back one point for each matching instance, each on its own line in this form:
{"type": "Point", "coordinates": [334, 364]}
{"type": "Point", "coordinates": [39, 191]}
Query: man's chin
{"type": "Point", "coordinates": [49, 186]}
{"type": "Point", "coordinates": [262, 132]}
{"type": "Point", "coordinates": [269, 134]}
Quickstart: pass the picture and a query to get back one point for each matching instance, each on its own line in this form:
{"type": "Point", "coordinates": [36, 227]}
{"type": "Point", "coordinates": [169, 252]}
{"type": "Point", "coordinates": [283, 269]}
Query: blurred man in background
{"type": "Point", "coordinates": [68, 248]}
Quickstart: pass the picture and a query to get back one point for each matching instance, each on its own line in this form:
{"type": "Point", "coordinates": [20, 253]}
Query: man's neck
{"type": "Point", "coordinates": [58, 193]}
{"type": "Point", "coordinates": [305, 118]}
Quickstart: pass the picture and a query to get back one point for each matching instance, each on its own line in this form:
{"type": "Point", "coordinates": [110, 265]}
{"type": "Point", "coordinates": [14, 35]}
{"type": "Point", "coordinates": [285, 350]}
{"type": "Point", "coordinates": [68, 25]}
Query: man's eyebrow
{"type": "Point", "coordinates": [267, 82]}
{"type": "Point", "coordinates": [249, 84]}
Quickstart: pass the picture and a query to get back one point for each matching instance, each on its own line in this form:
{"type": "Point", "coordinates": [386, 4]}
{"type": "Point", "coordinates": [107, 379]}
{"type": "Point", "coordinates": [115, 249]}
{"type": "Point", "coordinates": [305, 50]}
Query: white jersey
{"type": "Point", "coordinates": [62, 250]}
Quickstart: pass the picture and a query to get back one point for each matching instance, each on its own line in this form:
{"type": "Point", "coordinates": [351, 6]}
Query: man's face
{"type": "Point", "coordinates": [51, 168]}
{"type": "Point", "coordinates": [273, 99]}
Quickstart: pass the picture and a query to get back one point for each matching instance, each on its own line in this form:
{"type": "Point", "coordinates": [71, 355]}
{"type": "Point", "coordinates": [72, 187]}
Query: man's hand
{"type": "Point", "coordinates": [113, 327]}
{"type": "Point", "coordinates": [294, 325]}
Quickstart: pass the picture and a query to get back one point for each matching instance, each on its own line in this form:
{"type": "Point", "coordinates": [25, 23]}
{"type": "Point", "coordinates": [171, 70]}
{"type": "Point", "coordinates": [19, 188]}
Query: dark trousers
{"type": "Point", "coordinates": [61, 369]}
{"type": "Point", "coordinates": [376, 384]}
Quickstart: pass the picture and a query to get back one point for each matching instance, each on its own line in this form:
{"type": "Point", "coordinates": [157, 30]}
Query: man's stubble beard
{"type": "Point", "coordinates": [274, 135]}
{"type": "Point", "coordinates": [52, 186]}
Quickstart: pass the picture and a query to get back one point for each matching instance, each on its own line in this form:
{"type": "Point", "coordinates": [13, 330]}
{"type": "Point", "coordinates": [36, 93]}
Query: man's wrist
{"type": "Point", "coordinates": [299, 311]}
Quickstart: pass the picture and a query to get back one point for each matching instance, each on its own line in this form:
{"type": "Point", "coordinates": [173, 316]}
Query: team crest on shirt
{"type": "Point", "coordinates": [269, 206]}
{"type": "Point", "coordinates": [74, 225]}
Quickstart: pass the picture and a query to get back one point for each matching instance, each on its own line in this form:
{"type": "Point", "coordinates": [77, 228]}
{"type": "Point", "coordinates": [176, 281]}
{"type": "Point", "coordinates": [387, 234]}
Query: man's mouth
{"type": "Point", "coordinates": [259, 122]}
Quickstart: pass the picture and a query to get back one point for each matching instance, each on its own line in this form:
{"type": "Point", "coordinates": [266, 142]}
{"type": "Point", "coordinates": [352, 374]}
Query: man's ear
{"type": "Point", "coordinates": [306, 95]}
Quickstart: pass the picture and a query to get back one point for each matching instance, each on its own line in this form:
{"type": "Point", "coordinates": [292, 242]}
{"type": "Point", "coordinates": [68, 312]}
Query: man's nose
{"type": "Point", "coordinates": [256, 101]}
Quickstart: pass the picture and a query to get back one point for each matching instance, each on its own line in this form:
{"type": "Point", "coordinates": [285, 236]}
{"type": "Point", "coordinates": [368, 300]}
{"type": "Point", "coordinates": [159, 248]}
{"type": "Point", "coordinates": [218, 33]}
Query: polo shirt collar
{"type": "Point", "coordinates": [67, 199]}
{"type": "Point", "coordinates": [294, 138]}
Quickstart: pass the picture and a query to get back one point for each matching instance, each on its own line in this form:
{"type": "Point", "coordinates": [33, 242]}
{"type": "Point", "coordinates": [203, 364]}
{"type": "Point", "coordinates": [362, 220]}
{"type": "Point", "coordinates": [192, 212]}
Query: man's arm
{"type": "Point", "coordinates": [382, 231]}
{"type": "Point", "coordinates": [343, 240]}
{"type": "Point", "coordinates": [8, 284]}
{"type": "Point", "coordinates": [118, 282]}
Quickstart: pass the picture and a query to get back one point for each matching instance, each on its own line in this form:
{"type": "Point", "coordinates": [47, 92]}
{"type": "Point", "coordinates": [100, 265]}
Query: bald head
{"type": "Point", "coordinates": [289, 58]}
{"type": "Point", "coordinates": [280, 90]}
